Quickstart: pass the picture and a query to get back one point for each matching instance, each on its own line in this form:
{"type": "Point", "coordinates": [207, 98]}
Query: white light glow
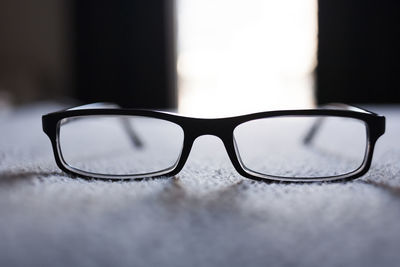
{"type": "Point", "coordinates": [237, 56]}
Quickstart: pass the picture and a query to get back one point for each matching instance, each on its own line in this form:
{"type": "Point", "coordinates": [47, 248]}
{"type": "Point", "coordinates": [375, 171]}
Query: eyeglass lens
{"type": "Point", "coordinates": [120, 145]}
{"type": "Point", "coordinates": [302, 146]}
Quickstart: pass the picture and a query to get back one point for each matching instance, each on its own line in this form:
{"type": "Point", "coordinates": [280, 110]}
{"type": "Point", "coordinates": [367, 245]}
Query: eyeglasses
{"type": "Point", "coordinates": [334, 143]}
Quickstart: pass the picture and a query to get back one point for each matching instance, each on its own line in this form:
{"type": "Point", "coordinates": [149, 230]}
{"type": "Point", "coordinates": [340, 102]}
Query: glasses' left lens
{"type": "Point", "coordinates": [120, 145]}
{"type": "Point", "coordinates": [302, 146]}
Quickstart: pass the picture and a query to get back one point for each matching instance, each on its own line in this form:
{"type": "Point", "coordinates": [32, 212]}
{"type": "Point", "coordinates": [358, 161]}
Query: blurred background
{"type": "Point", "coordinates": [209, 57]}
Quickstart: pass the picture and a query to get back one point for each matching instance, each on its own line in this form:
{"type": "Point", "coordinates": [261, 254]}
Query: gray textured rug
{"type": "Point", "coordinates": [208, 215]}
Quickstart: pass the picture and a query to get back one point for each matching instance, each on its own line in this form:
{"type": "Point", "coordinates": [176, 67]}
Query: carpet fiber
{"type": "Point", "coordinates": [208, 215]}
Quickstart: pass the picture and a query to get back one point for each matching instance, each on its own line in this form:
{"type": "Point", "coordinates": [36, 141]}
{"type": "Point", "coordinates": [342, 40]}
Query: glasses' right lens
{"type": "Point", "coordinates": [120, 145]}
{"type": "Point", "coordinates": [302, 146]}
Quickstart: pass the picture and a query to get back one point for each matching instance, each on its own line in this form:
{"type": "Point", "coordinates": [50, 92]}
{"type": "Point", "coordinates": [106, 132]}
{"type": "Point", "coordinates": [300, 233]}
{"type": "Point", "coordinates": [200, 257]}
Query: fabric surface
{"type": "Point", "coordinates": [208, 215]}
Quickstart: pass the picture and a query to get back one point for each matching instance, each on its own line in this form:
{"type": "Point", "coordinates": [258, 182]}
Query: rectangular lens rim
{"type": "Point", "coordinates": [138, 176]}
{"type": "Point", "coordinates": [360, 170]}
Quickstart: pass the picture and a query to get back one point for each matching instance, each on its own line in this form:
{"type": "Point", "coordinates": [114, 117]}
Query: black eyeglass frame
{"type": "Point", "coordinates": [222, 128]}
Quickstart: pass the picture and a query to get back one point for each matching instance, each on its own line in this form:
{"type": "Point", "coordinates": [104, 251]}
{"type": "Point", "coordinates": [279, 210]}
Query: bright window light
{"type": "Point", "coordinates": [237, 56]}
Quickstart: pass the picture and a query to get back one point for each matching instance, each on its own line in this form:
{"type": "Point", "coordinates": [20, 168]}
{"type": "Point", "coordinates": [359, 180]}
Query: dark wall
{"type": "Point", "coordinates": [35, 50]}
{"type": "Point", "coordinates": [125, 52]}
{"type": "Point", "coordinates": [358, 53]}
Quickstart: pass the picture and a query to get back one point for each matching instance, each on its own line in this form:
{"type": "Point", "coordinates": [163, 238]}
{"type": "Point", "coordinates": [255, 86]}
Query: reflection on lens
{"type": "Point", "coordinates": [120, 145]}
{"type": "Point", "coordinates": [302, 146]}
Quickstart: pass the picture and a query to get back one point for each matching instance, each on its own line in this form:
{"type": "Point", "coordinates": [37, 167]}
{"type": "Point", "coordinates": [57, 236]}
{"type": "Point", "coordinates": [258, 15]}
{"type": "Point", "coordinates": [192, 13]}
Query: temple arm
{"type": "Point", "coordinates": [133, 136]}
{"type": "Point", "coordinates": [319, 121]}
